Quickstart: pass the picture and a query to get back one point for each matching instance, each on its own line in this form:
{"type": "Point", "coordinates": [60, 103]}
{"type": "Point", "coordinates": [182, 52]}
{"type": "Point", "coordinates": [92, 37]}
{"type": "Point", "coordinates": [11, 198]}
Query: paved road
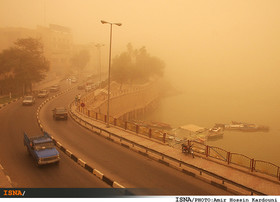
{"type": "Point", "coordinates": [124, 166]}
{"type": "Point", "coordinates": [14, 119]}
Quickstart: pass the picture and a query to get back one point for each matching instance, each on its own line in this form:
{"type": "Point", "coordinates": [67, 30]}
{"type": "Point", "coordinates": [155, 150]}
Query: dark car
{"type": "Point", "coordinates": [60, 113]}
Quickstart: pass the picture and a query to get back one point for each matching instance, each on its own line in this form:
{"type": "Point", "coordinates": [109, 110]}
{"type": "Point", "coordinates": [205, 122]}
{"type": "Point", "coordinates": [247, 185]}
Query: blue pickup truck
{"type": "Point", "coordinates": [42, 149]}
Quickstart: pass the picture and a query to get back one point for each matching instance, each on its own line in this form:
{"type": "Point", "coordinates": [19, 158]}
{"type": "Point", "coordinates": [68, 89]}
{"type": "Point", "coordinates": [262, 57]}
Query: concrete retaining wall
{"type": "Point", "coordinates": [132, 103]}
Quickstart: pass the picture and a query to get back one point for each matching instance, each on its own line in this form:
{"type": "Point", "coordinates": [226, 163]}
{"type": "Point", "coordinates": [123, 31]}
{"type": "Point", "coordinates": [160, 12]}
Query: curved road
{"type": "Point", "coordinates": [14, 119]}
{"type": "Point", "coordinates": [124, 166]}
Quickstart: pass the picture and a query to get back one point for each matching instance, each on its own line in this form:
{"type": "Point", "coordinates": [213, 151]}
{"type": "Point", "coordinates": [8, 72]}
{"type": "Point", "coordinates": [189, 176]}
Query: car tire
{"type": "Point", "coordinates": [38, 165]}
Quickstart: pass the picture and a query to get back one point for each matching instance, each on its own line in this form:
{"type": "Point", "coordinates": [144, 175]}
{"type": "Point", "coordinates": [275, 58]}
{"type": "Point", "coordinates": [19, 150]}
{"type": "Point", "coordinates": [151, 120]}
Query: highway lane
{"type": "Point", "coordinates": [14, 119]}
{"type": "Point", "coordinates": [125, 166]}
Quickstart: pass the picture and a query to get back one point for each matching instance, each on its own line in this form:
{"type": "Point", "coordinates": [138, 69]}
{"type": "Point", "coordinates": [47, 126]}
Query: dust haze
{"type": "Point", "coordinates": [227, 52]}
{"type": "Point", "coordinates": [207, 45]}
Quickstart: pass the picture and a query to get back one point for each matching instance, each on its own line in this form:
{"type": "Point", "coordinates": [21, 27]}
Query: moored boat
{"type": "Point", "coordinates": [215, 133]}
{"type": "Point", "coordinates": [241, 126]}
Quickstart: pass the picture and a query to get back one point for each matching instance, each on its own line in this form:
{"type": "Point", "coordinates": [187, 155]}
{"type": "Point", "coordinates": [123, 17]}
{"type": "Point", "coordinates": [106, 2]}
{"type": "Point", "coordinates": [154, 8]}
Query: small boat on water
{"type": "Point", "coordinates": [215, 133]}
{"type": "Point", "coordinates": [241, 126]}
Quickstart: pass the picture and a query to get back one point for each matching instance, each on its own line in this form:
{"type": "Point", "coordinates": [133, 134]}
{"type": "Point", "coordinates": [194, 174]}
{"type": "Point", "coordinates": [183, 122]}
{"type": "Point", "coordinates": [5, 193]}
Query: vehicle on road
{"type": "Point", "coordinates": [215, 133]}
{"type": "Point", "coordinates": [87, 88]}
{"type": "Point", "coordinates": [42, 149]}
{"type": "Point", "coordinates": [60, 113]}
{"type": "Point", "coordinates": [54, 88]}
{"type": "Point", "coordinates": [43, 94]}
{"type": "Point", "coordinates": [73, 80]}
{"type": "Point", "coordinates": [81, 87]}
{"type": "Point", "coordinates": [28, 100]}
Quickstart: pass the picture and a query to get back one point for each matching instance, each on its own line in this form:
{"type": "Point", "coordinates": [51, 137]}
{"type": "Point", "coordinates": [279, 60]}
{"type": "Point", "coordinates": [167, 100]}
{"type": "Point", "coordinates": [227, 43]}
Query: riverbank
{"type": "Point", "coordinates": [127, 101]}
{"type": "Point", "coordinates": [206, 110]}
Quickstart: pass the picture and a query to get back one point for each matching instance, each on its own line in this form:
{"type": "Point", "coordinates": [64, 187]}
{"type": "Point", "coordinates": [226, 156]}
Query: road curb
{"type": "Point", "coordinates": [6, 182]}
{"type": "Point", "coordinates": [237, 190]}
{"type": "Point", "coordinates": [79, 161]}
{"type": "Point", "coordinates": [12, 101]}
{"type": "Point", "coordinates": [112, 183]}
{"type": "Point", "coordinates": [214, 183]}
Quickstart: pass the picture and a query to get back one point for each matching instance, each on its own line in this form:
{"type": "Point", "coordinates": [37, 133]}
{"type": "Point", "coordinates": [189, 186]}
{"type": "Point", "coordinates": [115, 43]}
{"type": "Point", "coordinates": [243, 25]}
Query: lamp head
{"type": "Point", "coordinates": [105, 22]}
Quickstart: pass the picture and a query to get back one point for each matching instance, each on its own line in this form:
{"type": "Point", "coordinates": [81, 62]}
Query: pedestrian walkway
{"type": "Point", "coordinates": [256, 181]}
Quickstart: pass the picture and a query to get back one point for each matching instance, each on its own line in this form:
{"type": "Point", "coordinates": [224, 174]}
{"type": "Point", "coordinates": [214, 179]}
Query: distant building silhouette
{"type": "Point", "coordinates": [57, 41]}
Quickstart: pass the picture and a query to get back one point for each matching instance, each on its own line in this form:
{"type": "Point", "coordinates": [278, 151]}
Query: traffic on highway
{"type": "Point", "coordinates": [124, 166]}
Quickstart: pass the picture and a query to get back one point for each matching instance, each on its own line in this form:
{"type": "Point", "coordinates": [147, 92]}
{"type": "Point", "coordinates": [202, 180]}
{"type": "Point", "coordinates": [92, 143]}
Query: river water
{"type": "Point", "coordinates": [205, 109]}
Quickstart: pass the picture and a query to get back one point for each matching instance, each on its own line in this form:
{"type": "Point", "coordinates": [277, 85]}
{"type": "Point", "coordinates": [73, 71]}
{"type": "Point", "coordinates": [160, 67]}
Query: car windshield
{"type": "Point", "coordinates": [28, 98]}
{"type": "Point", "coordinates": [61, 110]}
{"type": "Point", "coordinates": [45, 145]}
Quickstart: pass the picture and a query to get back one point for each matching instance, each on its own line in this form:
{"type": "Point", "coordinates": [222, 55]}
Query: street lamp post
{"type": "Point", "coordinates": [111, 25]}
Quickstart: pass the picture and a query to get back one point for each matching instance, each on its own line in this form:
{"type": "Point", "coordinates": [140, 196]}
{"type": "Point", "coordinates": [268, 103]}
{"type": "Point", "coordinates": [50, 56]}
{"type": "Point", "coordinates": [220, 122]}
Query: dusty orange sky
{"type": "Point", "coordinates": [203, 43]}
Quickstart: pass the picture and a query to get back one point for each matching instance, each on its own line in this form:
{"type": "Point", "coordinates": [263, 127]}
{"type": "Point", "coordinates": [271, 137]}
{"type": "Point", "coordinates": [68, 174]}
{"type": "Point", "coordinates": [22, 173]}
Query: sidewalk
{"type": "Point", "coordinates": [5, 181]}
{"type": "Point", "coordinates": [257, 181]}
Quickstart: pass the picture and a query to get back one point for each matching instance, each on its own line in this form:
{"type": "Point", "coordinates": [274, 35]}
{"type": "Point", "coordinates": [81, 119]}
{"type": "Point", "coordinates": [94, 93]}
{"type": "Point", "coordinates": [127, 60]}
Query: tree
{"type": "Point", "coordinates": [25, 62]}
{"type": "Point", "coordinates": [121, 68]}
{"type": "Point", "coordinates": [136, 66]}
{"type": "Point", "coordinates": [80, 60]}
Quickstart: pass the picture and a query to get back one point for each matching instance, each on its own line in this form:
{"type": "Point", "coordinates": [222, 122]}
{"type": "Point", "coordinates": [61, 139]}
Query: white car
{"type": "Point", "coordinates": [74, 80]}
{"type": "Point", "coordinates": [54, 88]}
{"type": "Point", "coordinates": [28, 100]}
{"type": "Point", "coordinates": [43, 93]}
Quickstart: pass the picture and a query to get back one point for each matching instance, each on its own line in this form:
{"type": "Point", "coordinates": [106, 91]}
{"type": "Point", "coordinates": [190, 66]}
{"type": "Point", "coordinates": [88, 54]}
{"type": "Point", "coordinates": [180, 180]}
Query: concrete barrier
{"type": "Point", "coordinates": [79, 161]}
{"type": "Point", "coordinates": [169, 161]}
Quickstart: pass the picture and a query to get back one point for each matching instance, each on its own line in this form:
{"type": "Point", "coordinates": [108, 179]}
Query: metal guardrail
{"type": "Point", "coordinates": [156, 134]}
{"type": "Point", "coordinates": [236, 159]}
{"type": "Point", "coordinates": [163, 156]}
{"type": "Point", "coordinates": [148, 150]}
{"type": "Point", "coordinates": [209, 151]}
